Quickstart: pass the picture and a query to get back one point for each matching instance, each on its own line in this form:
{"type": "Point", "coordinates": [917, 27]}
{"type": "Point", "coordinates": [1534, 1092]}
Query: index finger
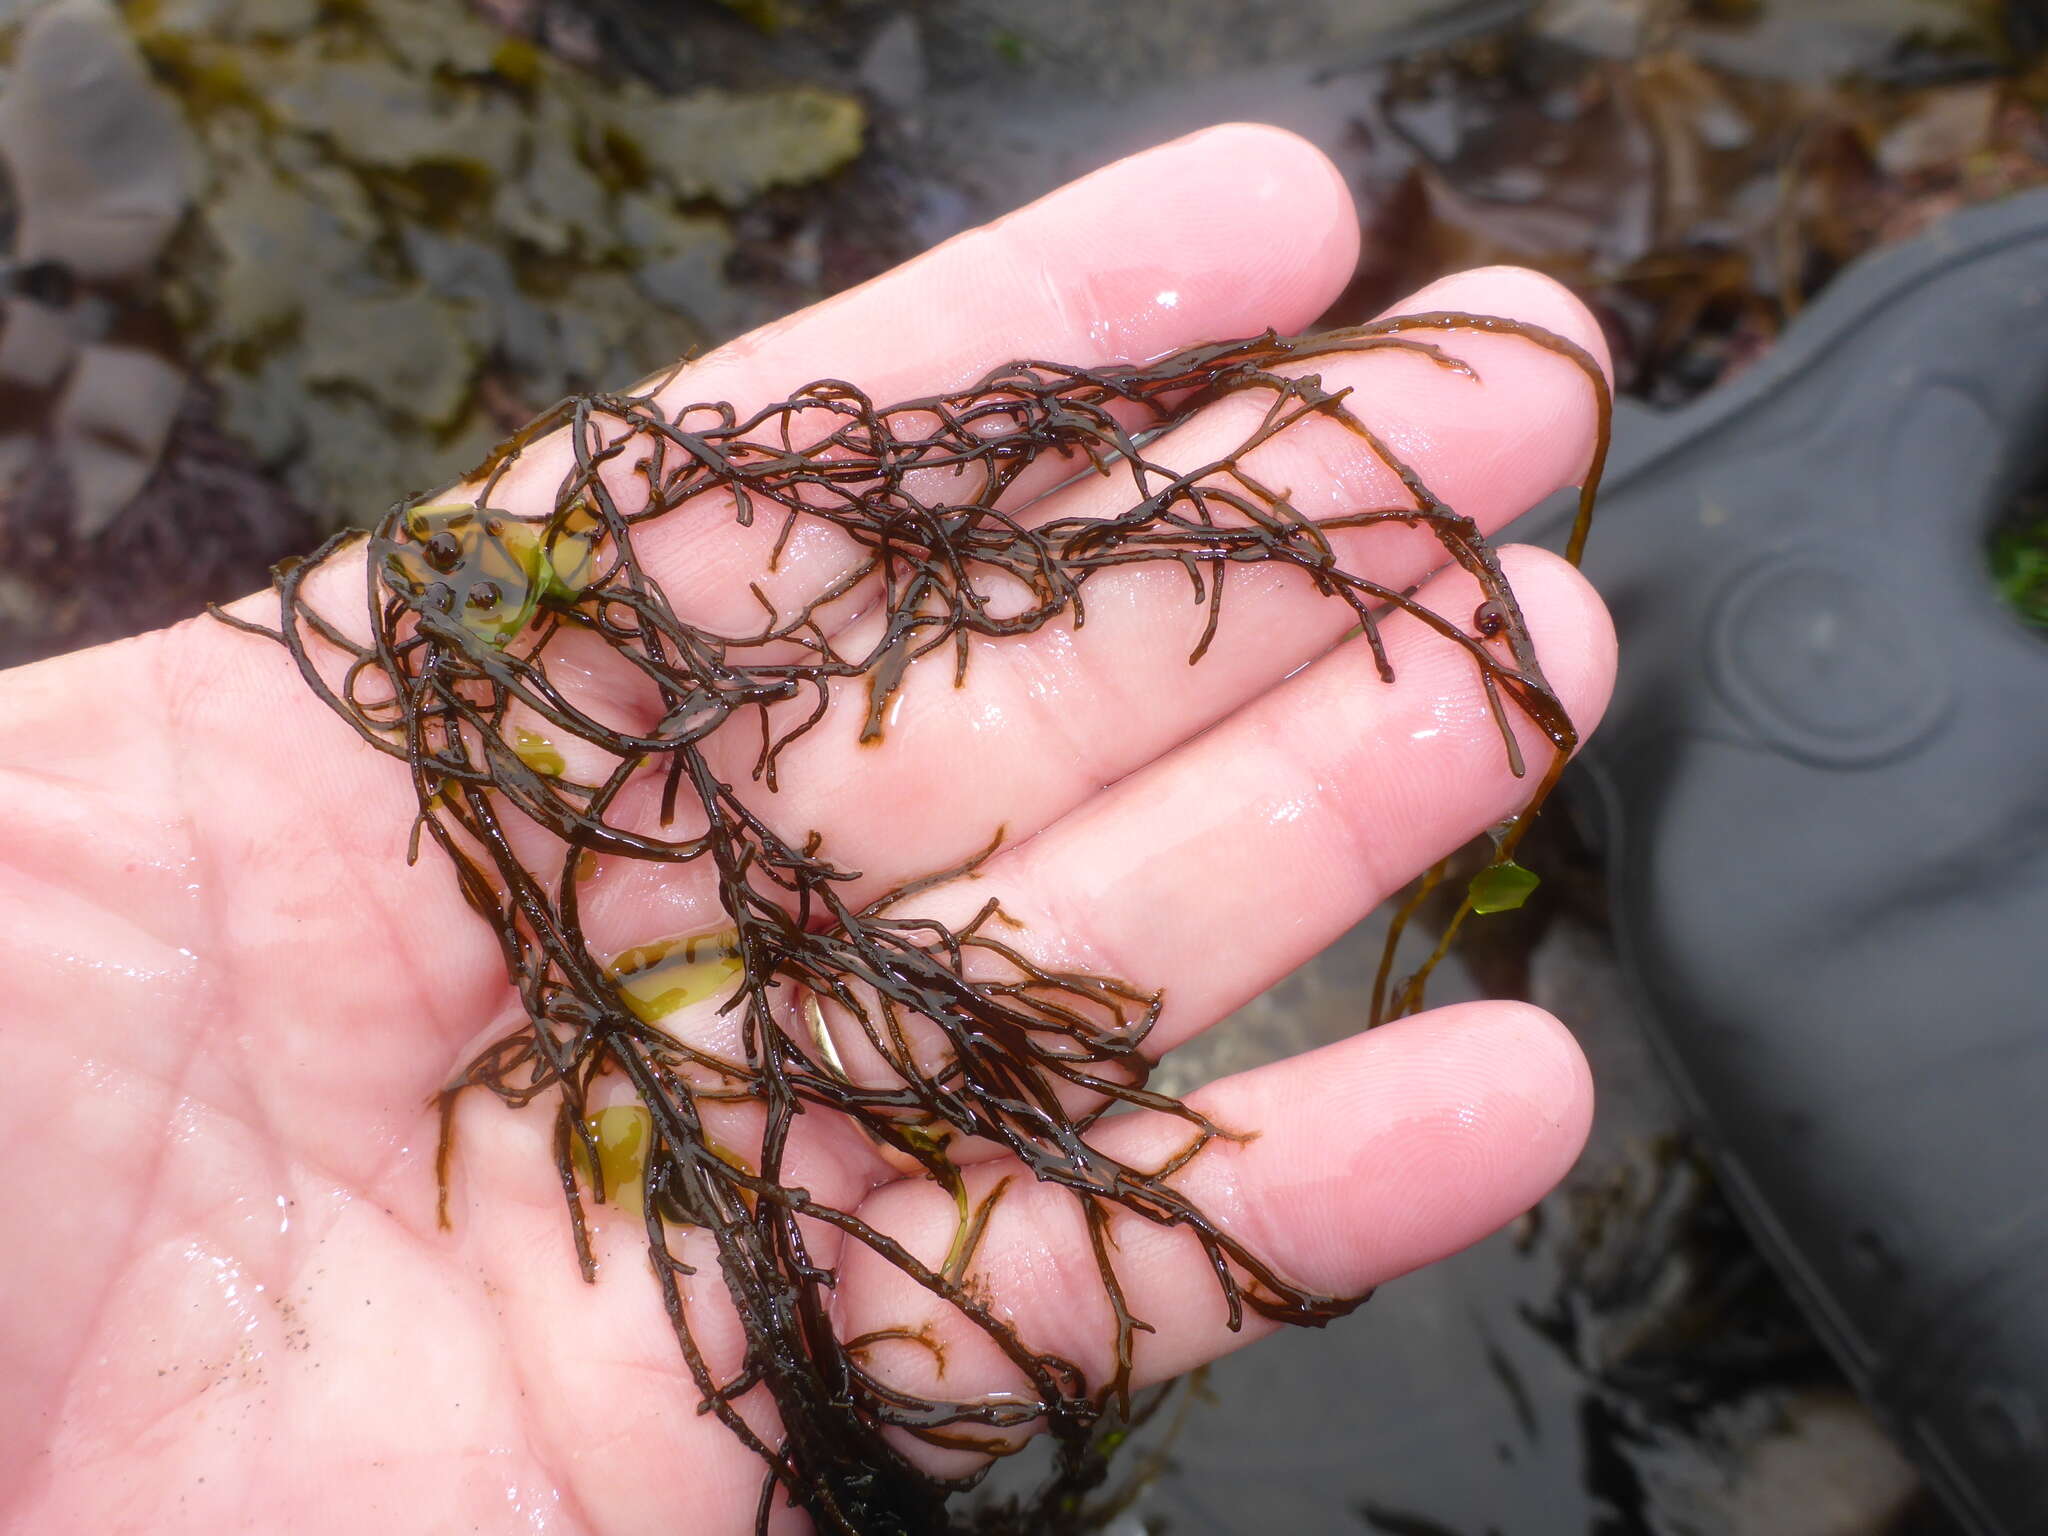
{"type": "Point", "coordinates": [1223, 233]}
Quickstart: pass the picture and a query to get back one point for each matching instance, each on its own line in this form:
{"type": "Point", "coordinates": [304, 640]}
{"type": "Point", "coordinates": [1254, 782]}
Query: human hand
{"type": "Point", "coordinates": [231, 1003]}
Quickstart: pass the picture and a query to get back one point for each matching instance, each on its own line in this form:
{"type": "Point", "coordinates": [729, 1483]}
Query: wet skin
{"type": "Point", "coordinates": [225, 1303]}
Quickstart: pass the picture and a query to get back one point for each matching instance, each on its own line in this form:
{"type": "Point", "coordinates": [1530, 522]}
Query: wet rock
{"type": "Point", "coordinates": [1826, 1469]}
{"type": "Point", "coordinates": [101, 163]}
{"type": "Point", "coordinates": [374, 113]}
{"type": "Point", "coordinates": [605, 332]}
{"type": "Point", "coordinates": [19, 452]}
{"type": "Point", "coordinates": [1614, 28]}
{"type": "Point", "coordinates": [353, 451]}
{"type": "Point", "coordinates": [207, 525]}
{"type": "Point", "coordinates": [405, 351]}
{"type": "Point", "coordinates": [556, 201]}
{"type": "Point", "coordinates": [102, 171]}
{"type": "Point", "coordinates": [36, 344]}
{"type": "Point", "coordinates": [490, 305]}
{"type": "Point", "coordinates": [334, 186]}
{"type": "Point", "coordinates": [1942, 128]}
{"type": "Point", "coordinates": [20, 604]}
{"type": "Point", "coordinates": [653, 229]}
{"type": "Point", "coordinates": [110, 425]}
{"type": "Point", "coordinates": [429, 39]}
{"type": "Point", "coordinates": [893, 69]}
{"type": "Point", "coordinates": [679, 260]}
{"type": "Point", "coordinates": [278, 249]}
{"type": "Point", "coordinates": [264, 408]}
{"type": "Point", "coordinates": [405, 202]}
{"type": "Point", "coordinates": [731, 148]}
{"type": "Point", "coordinates": [238, 19]}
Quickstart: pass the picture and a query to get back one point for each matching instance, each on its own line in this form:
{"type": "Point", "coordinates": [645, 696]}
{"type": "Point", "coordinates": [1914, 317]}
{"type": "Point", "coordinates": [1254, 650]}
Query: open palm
{"type": "Point", "coordinates": [224, 1300]}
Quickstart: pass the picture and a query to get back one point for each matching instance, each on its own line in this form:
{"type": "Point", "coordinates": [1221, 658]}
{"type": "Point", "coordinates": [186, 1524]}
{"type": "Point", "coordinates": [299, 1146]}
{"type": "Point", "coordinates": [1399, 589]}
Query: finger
{"type": "Point", "coordinates": [1227, 863]}
{"type": "Point", "coordinates": [1370, 1158]}
{"type": "Point", "coordinates": [1099, 699]}
{"type": "Point", "coordinates": [1219, 234]}
{"type": "Point", "coordinates": [1269, 837]}
{"type": "Point", "coordinates": [1102, 698]}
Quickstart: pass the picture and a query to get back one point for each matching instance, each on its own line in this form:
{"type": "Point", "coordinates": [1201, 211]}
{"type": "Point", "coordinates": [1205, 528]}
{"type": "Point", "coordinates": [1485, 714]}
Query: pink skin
{"type": "Point", "coordinates": [225, 1304]}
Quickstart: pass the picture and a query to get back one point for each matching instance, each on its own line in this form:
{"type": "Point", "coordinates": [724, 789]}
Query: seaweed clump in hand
{"type": "Point", "coordinates": [522, 787]}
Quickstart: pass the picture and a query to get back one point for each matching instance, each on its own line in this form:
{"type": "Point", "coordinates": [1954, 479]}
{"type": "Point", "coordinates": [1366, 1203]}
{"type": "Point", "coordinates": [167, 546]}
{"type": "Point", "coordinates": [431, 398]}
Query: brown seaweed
{"type": "Point", "coordinates": [465, 600]}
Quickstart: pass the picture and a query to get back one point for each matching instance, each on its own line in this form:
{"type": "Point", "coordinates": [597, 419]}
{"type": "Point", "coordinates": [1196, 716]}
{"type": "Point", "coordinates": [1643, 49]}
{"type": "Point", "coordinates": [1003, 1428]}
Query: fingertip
{"type": "Point", "coordinates": [1535, 1051]}
{"type": "Point", "coordinates": [1551, 1065]}
{"type": "Point", "coordinates": [1482, 1110]}
{"type": "Point", "coordinates": [1279, 169]}
{"type": "Point", "coordinates": [1224, 232]}
{"type": "Point", "coordinates": [1542, 1087]}
{"type": "Point", "coordinates": [1515, 419]}
{"type": "Point", "coordinates": [1516, 293]}
{"type": "Point", "coordinates": [1572, 629]}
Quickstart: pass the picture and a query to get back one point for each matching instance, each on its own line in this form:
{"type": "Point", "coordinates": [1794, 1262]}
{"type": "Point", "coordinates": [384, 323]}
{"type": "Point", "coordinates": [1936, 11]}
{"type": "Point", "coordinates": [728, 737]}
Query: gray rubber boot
{"type": "Point", "coordinates": [1824, 784]}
